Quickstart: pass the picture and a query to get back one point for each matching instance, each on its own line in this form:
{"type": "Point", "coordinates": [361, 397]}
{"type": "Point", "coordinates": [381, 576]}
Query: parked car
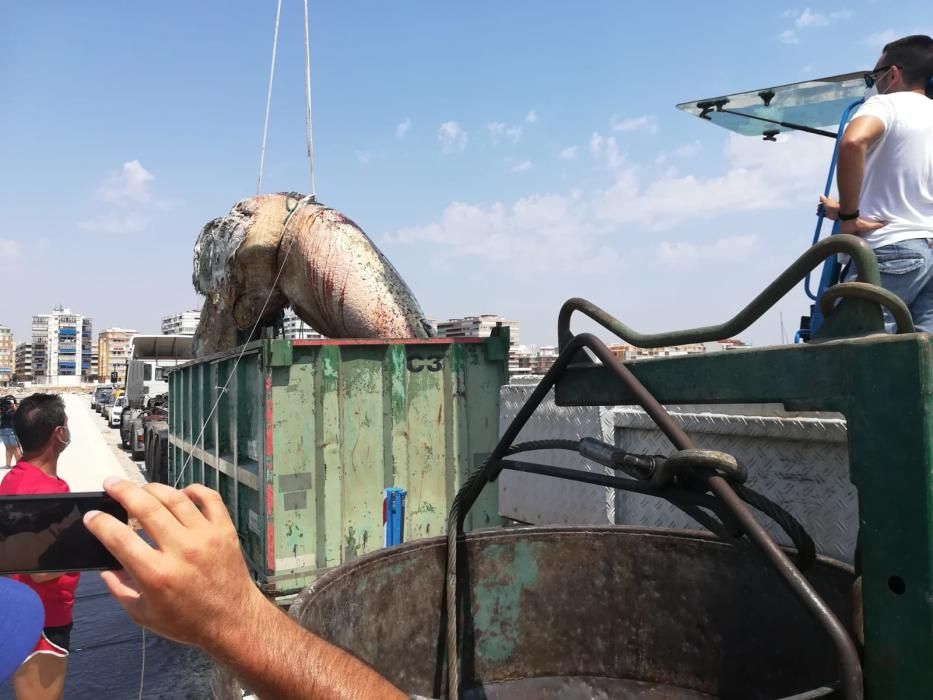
{"type": "Point", "coordinates": [115, 411]}
{"type": "Point", "coordinates": [105, 400]}
{"type": "Point", "coordinates": [98, 393]}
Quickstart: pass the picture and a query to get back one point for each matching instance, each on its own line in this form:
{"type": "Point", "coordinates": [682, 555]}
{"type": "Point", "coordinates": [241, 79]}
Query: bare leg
{"type": "Point", "coordinates": [9, 456]}
{"type": "Point", "coordinates": [41, 678]}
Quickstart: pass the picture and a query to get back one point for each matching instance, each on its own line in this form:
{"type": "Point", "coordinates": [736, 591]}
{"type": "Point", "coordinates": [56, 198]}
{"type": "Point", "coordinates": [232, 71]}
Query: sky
{"type": "Point", "coordinates": [504, 156]}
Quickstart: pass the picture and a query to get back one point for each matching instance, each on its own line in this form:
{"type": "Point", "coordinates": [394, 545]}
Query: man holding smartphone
{"type": "Point", "coordinates": [41, 425]}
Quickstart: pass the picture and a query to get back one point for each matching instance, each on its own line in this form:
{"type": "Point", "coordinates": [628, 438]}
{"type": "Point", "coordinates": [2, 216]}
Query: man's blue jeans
{"type": "Point", "coordinates": [907, 270]}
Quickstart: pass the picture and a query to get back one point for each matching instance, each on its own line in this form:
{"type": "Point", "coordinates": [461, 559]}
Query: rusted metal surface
{"type": "Point", "coordinates": [572, 349]}
{"type": "Point", "coordinates": [582, 612]}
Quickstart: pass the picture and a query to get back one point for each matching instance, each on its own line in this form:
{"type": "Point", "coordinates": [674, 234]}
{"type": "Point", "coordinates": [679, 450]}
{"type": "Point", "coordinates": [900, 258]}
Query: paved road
{"type": "Point", "coordinates": [94, 452]}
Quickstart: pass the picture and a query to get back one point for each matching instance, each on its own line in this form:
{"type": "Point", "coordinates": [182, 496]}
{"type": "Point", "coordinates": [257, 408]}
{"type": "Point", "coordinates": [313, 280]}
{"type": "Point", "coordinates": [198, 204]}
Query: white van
{"type": "Point", "coordinates": [151, 357]}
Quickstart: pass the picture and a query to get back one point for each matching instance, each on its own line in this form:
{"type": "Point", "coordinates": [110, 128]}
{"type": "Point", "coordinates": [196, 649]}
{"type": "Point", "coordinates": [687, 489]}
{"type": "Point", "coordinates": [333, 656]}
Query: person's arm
{"type": "Point", "coordinates": [195, 589]}
{"type": "Point", "coordinates": [861, 133]}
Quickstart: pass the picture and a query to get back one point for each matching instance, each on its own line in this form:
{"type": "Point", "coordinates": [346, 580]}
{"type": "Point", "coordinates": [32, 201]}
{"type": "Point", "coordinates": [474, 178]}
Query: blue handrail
{"type": "Point", "coordinates": [830, 269]}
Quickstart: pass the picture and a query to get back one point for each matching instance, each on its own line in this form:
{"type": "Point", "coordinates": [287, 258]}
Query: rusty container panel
{"type": "Point", "coordinates": [581, 613]}
{"type": "Point", "coordinates": [307, 435]}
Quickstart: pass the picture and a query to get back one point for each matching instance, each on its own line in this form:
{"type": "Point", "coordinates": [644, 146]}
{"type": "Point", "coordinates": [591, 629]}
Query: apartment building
{"type": "Point", "coordinates": [184, 323]}
{"type": "Point", "coordinates": [23, 363]}
{"type": "Point", "coordinates": [296, 329]}
{"type": "Point", "coordinates": [7, 356]}
{"type": "Point", "coordinates": [476, 327]}
{"type": "Point", "coordinates": [61, 347]}
{"type": "Point", "coordinates": [113, 346]}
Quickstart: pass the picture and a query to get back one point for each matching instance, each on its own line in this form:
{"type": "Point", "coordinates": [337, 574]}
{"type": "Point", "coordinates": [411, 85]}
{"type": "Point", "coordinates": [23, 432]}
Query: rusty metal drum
{"type": "Point", "coordinates": [583, 612]}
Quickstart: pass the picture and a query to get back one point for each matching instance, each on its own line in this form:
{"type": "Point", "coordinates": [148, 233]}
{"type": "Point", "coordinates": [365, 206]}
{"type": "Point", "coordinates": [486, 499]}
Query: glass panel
{"type": "Point", "coordinates": [815, 103]}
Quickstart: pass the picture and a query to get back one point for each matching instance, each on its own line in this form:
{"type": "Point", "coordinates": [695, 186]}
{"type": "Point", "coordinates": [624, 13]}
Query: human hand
{"type": "Point", "coordinates": [829, 207]}
{"type": "Point", "coordinates": [860, 226]}
{"type": "Point", "coordinates": [195, 588]}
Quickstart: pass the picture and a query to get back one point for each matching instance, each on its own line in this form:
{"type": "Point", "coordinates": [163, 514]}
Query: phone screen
{"type": "Point", "coordinates": [46, 534]}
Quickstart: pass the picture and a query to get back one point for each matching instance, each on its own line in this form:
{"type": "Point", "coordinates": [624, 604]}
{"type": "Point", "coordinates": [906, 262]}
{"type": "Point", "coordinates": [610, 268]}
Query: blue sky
{"type": "Point", "coordinates": [505, 156]}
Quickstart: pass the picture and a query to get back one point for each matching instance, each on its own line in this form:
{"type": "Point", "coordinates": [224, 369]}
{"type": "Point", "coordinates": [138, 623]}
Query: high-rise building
{"type": "Point", "coordinates": [476, 327]}
{"type": "Point", "coordinates": [61, 347]}
{"type": "Point", "coordinates": [113, 345]}
{"type": "Point", "coordinates": [481, 327]}
{"type": "Point", "coordinates": [184, 323]}
{"type": "Point", "coordinates": [24, 362]}
{"type": "Point", "coordinates": [7, 356]}
{"type": "Point", "coordinates": [543, 359]}
{"type": "Point", "coordinates": [296, 329]}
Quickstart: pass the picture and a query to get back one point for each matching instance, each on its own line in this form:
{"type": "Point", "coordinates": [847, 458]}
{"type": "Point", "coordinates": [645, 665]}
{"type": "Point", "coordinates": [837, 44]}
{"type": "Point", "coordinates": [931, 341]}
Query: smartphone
{"type": "Point", "coordinates": [46, 534]}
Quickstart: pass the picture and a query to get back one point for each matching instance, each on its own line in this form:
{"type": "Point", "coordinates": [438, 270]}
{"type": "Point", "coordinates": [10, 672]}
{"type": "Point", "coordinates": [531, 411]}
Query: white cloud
{"type": "Point", "coordinates": [499, 131]}
{"type": "Point", "coordinates": [681, 253]}
{"type": "Point", "coordinates": [133, 183]}
{"type": "Point", "coordinates": [531, 117]}
{"type": "Point", "coordinates": [643, 123]}
{"type": "Point", "coordinates": [568, 153]}
{"type": "Point", "coordinates": [689, 150]}
{"type": "Point", "coordinates": [758, 178]}
{"type": "Point", "coordinates": [402, 129]}
{"type": "Point", "coordinates": [126, 201]}
{"type": "Point", "coordinates": [605, 149]}
{"type": "Point", "coordinates": [9, 250]}
{"type": "Point", "coordinates": [453, 137]}
{"type": "Point", "coordinates": [522, 166]}
{"type": "Point", "coordinates": [542, 231]}
{"type": "Point", "coordinates": [808, 19]}
{"type": "Point", "coordinates": [879, 39]}
{"type": "Point", "coordinates": [363, 157]}
{"type": "Point", "coordinates": [553, 231]}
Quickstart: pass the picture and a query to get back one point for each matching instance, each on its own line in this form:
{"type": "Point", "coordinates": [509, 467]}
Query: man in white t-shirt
{"type": "Point", "coordinates": [885, 174]}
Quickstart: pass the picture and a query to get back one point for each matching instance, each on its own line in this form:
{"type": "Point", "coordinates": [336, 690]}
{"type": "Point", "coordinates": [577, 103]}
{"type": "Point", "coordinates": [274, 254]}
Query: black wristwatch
{"type": "Point", "coordinates": [849, 217]}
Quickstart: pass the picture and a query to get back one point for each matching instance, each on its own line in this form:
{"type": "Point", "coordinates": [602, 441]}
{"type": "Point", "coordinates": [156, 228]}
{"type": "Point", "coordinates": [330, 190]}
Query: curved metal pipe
{"type": "Point", "coordinates": [869, 292]}
{"type": "Point", "coordinates": [862, 255]}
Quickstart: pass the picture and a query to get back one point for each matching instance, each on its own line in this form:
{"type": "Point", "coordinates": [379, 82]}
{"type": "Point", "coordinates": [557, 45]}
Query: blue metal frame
{"type": "Point", "coordinates": [830, 271]}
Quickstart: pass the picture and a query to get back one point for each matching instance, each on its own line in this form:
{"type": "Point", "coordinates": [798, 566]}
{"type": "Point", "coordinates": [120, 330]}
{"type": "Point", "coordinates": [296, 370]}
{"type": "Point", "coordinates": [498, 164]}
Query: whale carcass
{"type": "Point", "coordinates": [277, 250]}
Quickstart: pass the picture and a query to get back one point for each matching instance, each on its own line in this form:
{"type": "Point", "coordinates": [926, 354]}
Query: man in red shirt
{"type": "Point", "coordinates": [41, 425]}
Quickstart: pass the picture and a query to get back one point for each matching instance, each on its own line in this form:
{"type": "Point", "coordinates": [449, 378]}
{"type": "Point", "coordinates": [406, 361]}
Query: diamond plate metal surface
{"type": "Point", "coordinates": [799, 462]}
{"type": "Point", "coordinates": [531, 498]}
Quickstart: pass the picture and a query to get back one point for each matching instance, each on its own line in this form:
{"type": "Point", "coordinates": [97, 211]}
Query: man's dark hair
{"type": "Point", "coordinates": [914, 55]}
{"type": "Point", "coordinates": [36, 419]}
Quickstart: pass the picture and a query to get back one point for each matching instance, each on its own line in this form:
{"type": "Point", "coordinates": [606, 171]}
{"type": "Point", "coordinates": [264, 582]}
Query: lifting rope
{"type": "Point", "coordinates": [265, 127]}
{"type": "Point", "coordinates": [308, 131]}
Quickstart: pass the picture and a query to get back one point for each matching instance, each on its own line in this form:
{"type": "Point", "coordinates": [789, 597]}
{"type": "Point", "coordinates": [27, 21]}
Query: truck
{"type": "Point", "coordinates": [304, 438]}
{"type": "Point", "coordinates": [150, 357]}
{"type": "Point", "coordinates": [607, 588]}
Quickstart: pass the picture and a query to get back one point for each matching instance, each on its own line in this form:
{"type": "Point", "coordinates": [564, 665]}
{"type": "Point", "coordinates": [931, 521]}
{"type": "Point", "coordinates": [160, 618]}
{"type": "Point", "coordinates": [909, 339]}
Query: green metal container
{"type": "Point", "coordinates": [307, 435]}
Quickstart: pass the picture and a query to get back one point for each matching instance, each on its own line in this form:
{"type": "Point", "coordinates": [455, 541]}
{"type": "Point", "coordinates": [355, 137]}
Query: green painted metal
{"type": "Point", "coordinates": [308, 434]}
{"type": "Point", "coordinates": [883, 384]}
